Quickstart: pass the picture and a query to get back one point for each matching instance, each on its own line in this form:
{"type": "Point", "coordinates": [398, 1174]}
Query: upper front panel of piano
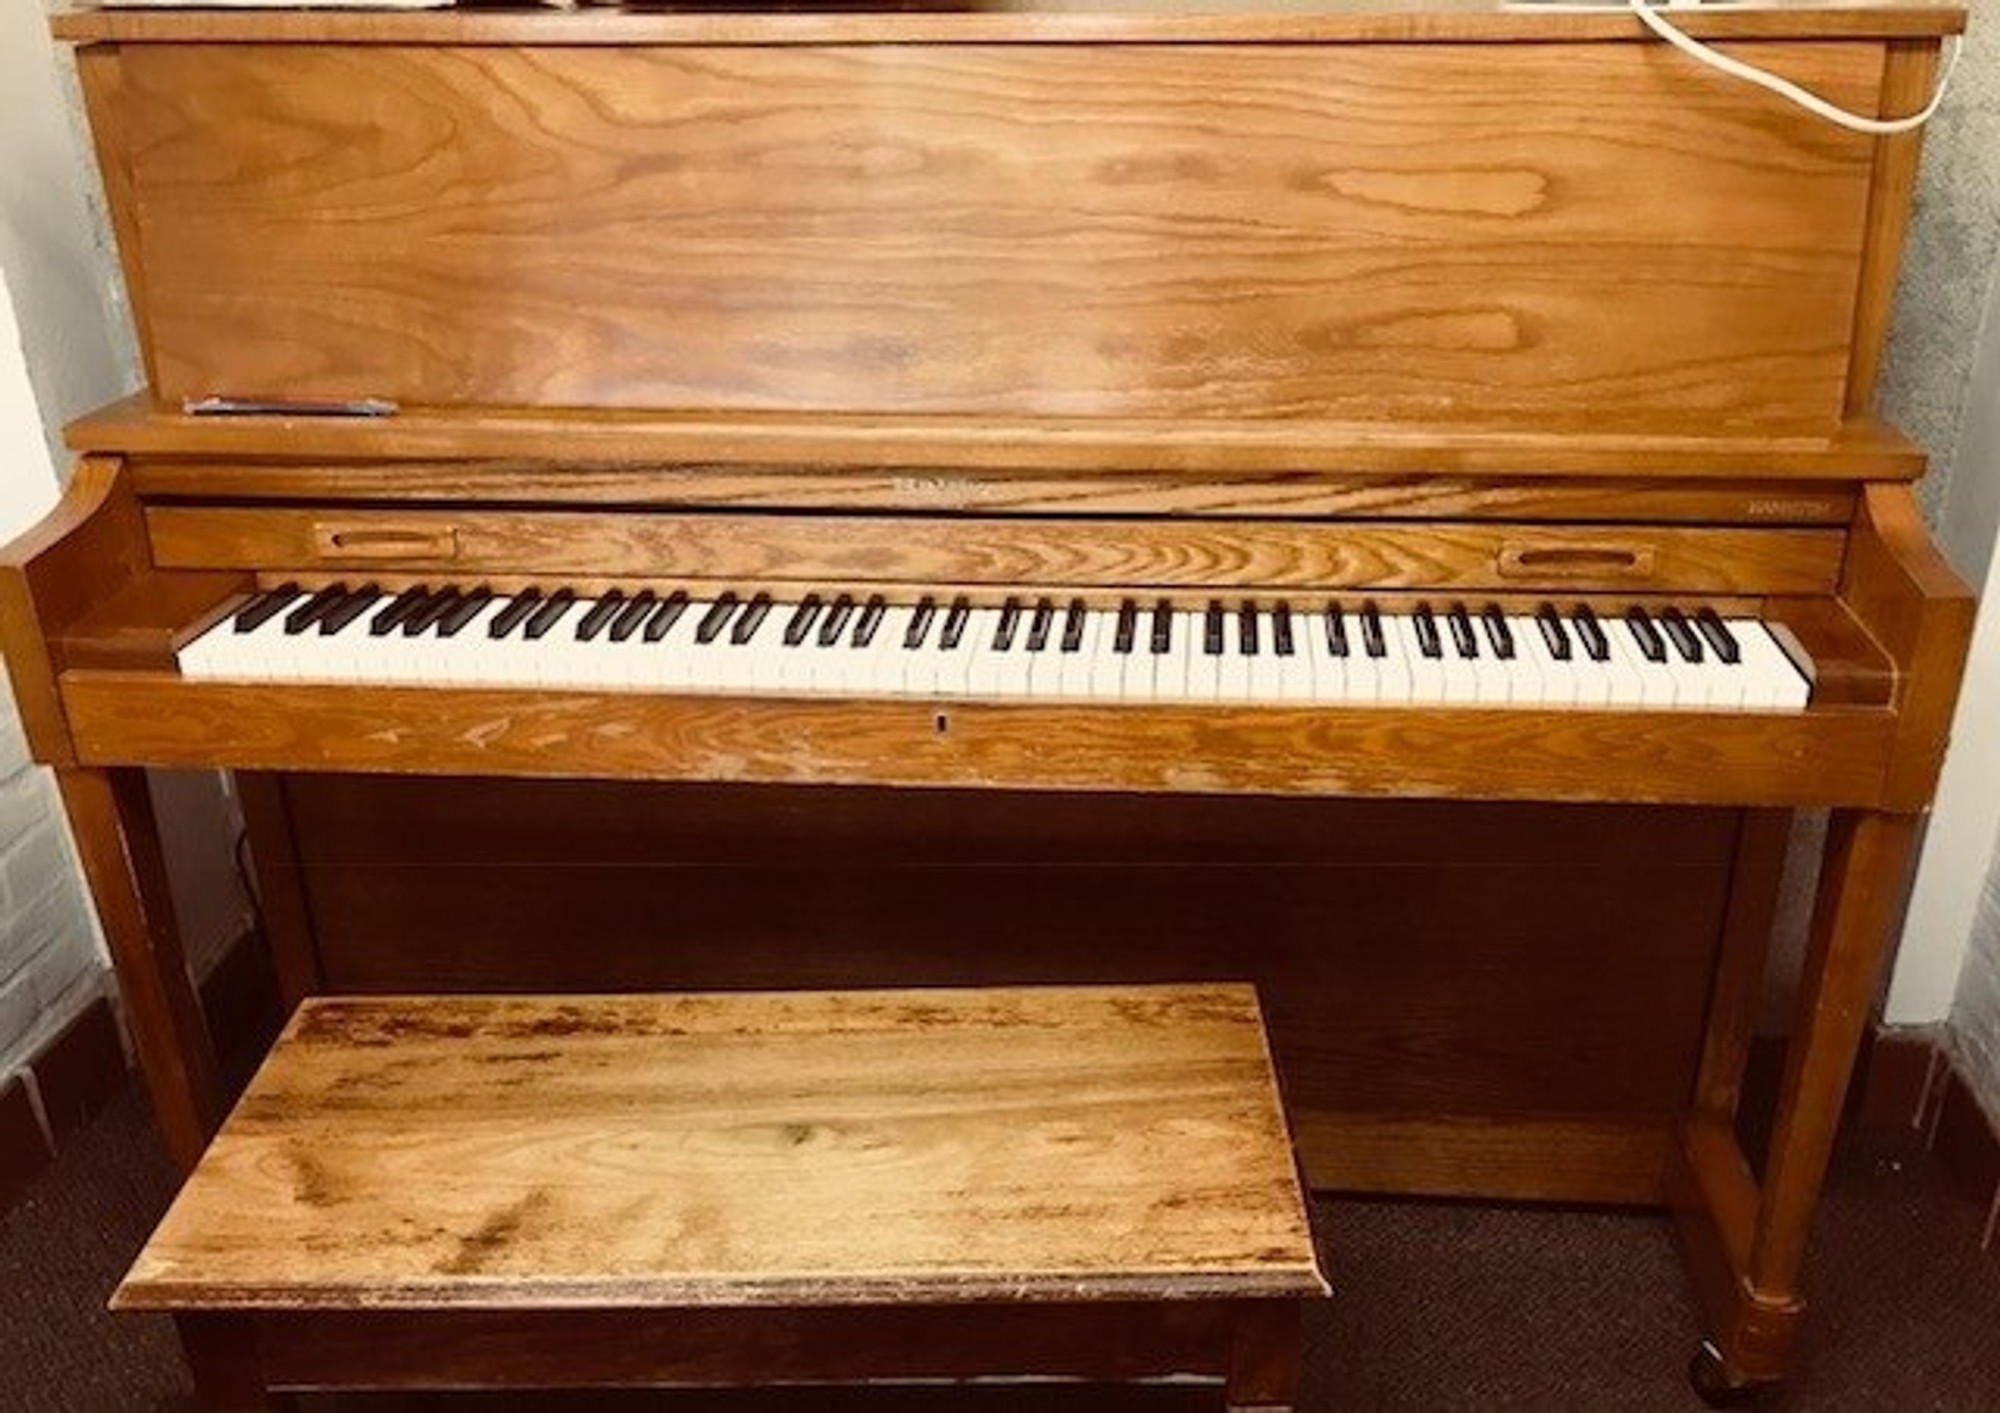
{"type": "Point", "coordinates": [1305, 217]}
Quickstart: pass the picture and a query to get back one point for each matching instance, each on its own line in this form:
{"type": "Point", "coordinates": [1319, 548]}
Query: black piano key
{"type": "Point", "coordinates": [1551, 624]}
{"type": "Point", "coordinates": [1428, 642]}
{"type": "Point", "coordinates": [356, 604]}
{"type": "Point", "coordinates": [1719, 637]}
{"type": "Point", "coordinates": [463, 612]}
{"type": "Point", "coordinates": [1374, 641]}
{"type": "Point", "coordinates": [1646, 635]}
{"type": "Point", "coordinates": [801, 622]}
{"type": "Point", "coordinates": [1498, 635]}
{"type": "Point", "coordinates": [665, 616]}
{"type": "Point", "coordinates": [263, 608]}
{"type": "Point", "coordinates": [600, 616]}
{"type": "Point", "coordinates": [390, 618]}
{"type": "Point", "coordinates": [514, 614]}
{"type": "Point", "coordinates": [1462, 636]}
{"type": "Point", "coordinates": [1040, 625]}
{"type": "Point", "coordinates": [1162, 638]}
{"type": "Point", "coordinates": [1336, 629]}
{"type": "Point", "coordinates": [1127, 632]}
{"type": "Point", "coordinates": [314, 609]}
{"type": "Point", "coordinates": [1246, 628]}
{"type": "Point", "coordinates": [834, 623]}
{"type": "Point", "coordinates": [751, 619]}
{"type": "Point", "coordinates": [1281, 629]}
{"type": "Point", "coordinates": [1596, 646]}
{"type": "Point", "coordinates": [1010, 623]}
{"type": "Point", "coordinates": [1073, 624]}
{"type": "Point", "coordinates": [427, 615]}
{"type": "Point", "coordinates": [717, 618]}
{"type": "Point", "coordinates": [1681, 634]}
{"type": "Point", "coordinates": [921, 618]}
{"type": "Point", "coordinates": [953, 632]}
{"type": "Point", "coordinates": [1212, 629]}
{"type": "Point", "coordinates": [633, 616]}
{"type": "Point", "coordinates": [870, 621]}
{"type": "Point", "coordinates": [549, 614]}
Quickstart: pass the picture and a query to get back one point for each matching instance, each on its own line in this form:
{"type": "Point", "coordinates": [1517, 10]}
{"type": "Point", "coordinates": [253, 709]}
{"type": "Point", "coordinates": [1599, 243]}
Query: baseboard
{"type": "Point", "coordinates": [1910, 1085]}
{"type": "Point", "coordinates": [83, 1066]}
{"type": "Point", "coordinates": [64, 1082]}
{"type": "Point", "coordinates": [1893, 1089]}
{"type": "Point", "coordinates": [25, 1149]}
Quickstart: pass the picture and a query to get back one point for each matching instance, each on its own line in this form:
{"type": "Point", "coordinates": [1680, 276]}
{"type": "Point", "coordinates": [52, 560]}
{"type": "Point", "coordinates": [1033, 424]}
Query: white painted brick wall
{"type": "Point", "coordinates": [1975, 1011]}
{"type": "Point", "coordinates": [52, 961]}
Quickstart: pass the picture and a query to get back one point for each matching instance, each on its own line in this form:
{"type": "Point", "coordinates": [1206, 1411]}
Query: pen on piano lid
{"type": "Point", "coordinates": [288, 407]}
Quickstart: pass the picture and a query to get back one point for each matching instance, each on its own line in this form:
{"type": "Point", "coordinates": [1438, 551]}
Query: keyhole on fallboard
{"type": "Point", "coordinates": [943, 723]}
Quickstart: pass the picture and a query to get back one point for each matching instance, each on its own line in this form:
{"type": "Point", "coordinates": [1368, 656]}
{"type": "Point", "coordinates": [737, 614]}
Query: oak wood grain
{"type": "Point", "coordinates": [1827, 757]}
{"type": "Point", "coordinates": [1714, 1196]}
{"type": "Point", "coordinates": [1039, 21]}
{"type": "Point", "coordinates": [88, 546]}
{"type": "Point", "coordinates": [1258, 232]}
{"type": "Point", "coordinates": [1909, 76]}
{"type": "Point", "coordinates": [1860, 449]}
{"type": "Point", "coordinates": [1908, 596]}
{"type": "Point", "coordinates": [1165, 552]}
{"type": "Point", "coordinates": [1605, 1158]}
{"type": "Point", "coordinates": [935, 490]}
{"type": "Point", "coordinates": [763, 1149]}
{"type": "Point", "coordinates": [1416, 970]}
{"type": "Point", "coordinates": [1738, 989]}
{"type": "Point", "coordinates": [1863, 882]}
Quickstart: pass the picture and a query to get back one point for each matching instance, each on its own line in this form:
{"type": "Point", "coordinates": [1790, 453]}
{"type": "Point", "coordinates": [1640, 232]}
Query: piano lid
{"type": "Point", "coordinates": [990, 21]}
{"type": "Point", "coordinates": [621, 214]}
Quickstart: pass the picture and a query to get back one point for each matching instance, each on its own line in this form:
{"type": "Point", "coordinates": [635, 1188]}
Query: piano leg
{"type": "Point", "coordinates": [1745, 1240]}
{"type": "Point", "coordinates": [111, 815]}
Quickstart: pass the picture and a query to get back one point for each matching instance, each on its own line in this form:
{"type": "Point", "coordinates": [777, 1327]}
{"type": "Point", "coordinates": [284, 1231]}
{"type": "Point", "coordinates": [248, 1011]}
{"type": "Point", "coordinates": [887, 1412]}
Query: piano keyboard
{"type": "Point", "coordinates": [1153, 650]}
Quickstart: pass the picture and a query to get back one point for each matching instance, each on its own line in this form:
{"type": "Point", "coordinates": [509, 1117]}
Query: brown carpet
{"type": "Point", "coordinates": [1439, 1306]}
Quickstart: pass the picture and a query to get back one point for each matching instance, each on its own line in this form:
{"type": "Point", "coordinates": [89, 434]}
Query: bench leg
{"type": "Point", "coordinates": [222, 1354]}
{"type": "Point", "coordinates": [1264, 1357]}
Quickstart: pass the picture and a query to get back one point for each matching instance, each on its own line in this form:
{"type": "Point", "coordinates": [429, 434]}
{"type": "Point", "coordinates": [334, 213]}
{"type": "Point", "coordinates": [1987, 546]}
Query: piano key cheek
{"type": "Point", "coordinates": [841, 642]}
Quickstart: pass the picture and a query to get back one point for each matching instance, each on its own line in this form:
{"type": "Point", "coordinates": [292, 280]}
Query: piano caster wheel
{"type": "Point", "coordinates": [1716, 1384]}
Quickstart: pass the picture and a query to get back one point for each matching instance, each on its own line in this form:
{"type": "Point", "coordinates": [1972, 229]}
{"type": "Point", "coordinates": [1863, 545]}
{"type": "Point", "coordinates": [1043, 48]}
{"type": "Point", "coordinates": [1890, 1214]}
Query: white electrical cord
{"type": "Point", "coordinates": [1791, 92]}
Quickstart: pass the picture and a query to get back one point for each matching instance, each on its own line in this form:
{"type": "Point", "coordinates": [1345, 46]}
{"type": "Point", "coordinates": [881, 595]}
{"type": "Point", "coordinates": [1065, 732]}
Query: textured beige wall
{"type": "Point", "coordinates": [1942, 384]}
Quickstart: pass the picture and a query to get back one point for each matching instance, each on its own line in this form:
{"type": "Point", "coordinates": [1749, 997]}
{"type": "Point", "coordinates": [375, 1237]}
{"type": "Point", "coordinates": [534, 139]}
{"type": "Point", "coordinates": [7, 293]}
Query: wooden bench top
{"type": "Point", "coordinates": [796, 1148]}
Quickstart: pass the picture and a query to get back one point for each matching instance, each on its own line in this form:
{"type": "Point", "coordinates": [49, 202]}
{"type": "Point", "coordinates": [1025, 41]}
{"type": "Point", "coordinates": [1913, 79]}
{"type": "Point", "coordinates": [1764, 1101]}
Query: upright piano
{"type": "Point", "coordinates": [1379, 497]}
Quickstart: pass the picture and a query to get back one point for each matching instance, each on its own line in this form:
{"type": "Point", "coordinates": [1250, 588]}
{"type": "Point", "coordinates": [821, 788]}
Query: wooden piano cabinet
{"type": "Point", "coordinates": [1406, 297]}
{"type": "Point", "coordinates": [1457, 993]}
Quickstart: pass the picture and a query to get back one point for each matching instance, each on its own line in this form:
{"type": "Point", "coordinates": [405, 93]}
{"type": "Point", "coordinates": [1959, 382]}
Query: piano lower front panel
{"type": "Point", "coordinates": [1497, 1000]}
{"type": "Point", "coordinates": [1822, 757]}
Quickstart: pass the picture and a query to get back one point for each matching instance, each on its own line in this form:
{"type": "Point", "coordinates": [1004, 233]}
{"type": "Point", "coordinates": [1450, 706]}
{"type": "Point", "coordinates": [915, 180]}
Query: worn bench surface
{"type": "Point", "coordinates": [767, 1149]}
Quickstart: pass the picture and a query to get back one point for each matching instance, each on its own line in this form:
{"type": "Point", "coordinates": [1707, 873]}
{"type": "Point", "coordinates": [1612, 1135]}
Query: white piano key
{"type": "Point", "coordinates": [1525, 687]}
{"type": "Point", "coordinates": [1075, 670]}
{"type": "Point", "coordinates": [1775, 682]}
{"type": "Point", "coordinates": [1765, 678]}
{"type": "Point", "coordinates": [1556, 679]}
{"type": "Point", "coordinates": [1237, 666]}
{"type": "Point", "coordinates": [1109, 668]}
{"type": "Point", "coordinates": [1425, 679]}
{"type": "Point", "coordinates": [1204, 668]}
{"type": "Point", "coordinates": [1293, 675]}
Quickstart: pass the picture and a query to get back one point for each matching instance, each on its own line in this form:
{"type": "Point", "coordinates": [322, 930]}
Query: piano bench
{"type": "Point", "coordinates": [730, 1189]}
